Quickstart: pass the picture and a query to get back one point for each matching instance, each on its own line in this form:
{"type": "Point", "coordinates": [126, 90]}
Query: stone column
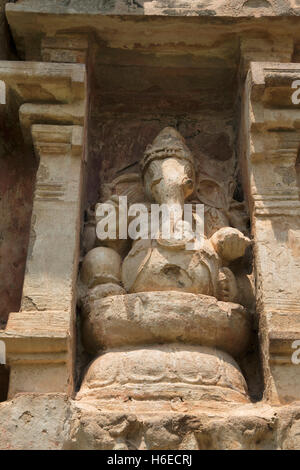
{"type": "Point", "coordinates": [40, 339]}
{"type": "Point", "coordinates": [269, 150]}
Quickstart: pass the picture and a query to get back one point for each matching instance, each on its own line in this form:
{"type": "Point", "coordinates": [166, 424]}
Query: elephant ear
{"type": "Point", "coordinates": [213, 194]}
{"type": "Point", "coordinates": [129, 184]}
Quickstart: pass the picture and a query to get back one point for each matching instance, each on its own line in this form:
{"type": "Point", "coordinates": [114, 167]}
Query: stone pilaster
{"type": "Point", "coordinates": [271, 135]}
{"type": "Point", "coordinates": [40, 339]}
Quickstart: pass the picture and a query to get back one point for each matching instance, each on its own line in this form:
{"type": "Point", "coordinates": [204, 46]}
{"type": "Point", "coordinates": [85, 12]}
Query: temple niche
{"type": "Point", "coordinates": [164, 316]}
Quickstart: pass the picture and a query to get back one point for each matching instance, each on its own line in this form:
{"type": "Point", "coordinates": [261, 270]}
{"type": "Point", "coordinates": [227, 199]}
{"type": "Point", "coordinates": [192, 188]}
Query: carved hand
{"type": "Point", "coordinates": [230, 243]}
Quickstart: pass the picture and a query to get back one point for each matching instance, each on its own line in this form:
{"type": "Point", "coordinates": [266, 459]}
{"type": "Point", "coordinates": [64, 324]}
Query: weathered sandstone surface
{"type": "Point", "coordinates": [188, 341]}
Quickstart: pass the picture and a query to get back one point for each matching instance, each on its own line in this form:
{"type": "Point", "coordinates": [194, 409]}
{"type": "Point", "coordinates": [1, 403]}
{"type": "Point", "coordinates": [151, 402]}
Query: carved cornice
{"type": "Point", "coordinates": [50, 31]}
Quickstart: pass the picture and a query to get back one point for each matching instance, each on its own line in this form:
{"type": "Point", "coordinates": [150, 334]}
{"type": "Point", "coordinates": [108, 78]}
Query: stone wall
{"type": "Point", "coordinates": [65, 425]}
{"type": "Point", "coordinates": [16, 183]}
{"type": "Point", "coordinates": [16, 186]}
{"type": "Point", "coordinates": [4, 39]}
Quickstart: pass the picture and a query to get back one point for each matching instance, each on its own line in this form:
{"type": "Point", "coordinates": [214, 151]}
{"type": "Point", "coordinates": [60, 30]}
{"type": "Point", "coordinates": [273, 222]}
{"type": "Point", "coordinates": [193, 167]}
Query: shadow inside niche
{"type": "Point", "coordinates": [4, 381]}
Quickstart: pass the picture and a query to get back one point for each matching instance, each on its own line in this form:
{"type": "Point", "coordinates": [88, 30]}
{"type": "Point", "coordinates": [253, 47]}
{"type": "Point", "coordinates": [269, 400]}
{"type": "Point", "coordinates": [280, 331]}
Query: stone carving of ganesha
{"type": "Point", "coordinates": [153, 292]}
{"type": "Point", "coordinates": [167, 177]}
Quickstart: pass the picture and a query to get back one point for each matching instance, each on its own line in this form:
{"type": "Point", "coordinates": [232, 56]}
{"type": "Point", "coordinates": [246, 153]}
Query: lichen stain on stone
{"type": "Point", "coordinates": [257, 4]}
{"type": "Point", "coordinates": [28, 304]}
{"type": "Point", "coordinates": [43, 172]}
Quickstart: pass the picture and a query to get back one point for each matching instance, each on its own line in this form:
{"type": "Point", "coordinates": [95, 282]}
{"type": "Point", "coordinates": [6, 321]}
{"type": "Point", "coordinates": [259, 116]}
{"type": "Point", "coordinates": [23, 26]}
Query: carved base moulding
{"type": "Point", "coordinates": [164, 372]}
{"type": "Point", "coordinates": [170, 371]}
{"type": "Point", "coordinates": [180, 369]}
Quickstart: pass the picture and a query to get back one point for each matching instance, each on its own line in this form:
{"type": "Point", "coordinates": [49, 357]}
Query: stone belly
{"type": "Point", "coordinates": [162, 269]}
